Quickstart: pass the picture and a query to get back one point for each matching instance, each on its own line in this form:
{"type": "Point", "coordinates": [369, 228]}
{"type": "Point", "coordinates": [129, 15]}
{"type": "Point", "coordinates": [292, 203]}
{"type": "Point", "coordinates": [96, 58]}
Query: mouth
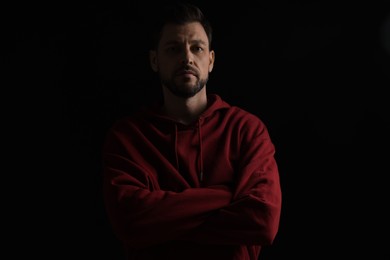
{"type": "Point", "coordinates": [187, 72]}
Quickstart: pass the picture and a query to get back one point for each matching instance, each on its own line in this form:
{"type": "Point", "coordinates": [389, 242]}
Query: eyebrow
{"type": "Point", "coordinates": [173, 42]}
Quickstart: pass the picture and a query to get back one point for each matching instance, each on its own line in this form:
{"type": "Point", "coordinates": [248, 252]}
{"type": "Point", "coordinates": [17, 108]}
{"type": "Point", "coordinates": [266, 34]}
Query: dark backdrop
{"type": "Point", "coordinates": [317, 73]}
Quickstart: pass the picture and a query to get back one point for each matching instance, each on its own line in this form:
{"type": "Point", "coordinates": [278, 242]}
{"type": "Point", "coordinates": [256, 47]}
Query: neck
{"type": "Point", "coordinates": [185, 110]}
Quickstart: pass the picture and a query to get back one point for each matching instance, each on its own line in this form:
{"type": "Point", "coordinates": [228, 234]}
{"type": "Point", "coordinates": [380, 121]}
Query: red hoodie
{"type": "Point", "coordinates": [209, 190]}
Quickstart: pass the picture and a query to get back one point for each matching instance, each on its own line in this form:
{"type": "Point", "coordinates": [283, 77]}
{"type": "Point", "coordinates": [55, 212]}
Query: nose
{"type": "Point", "coordinates": [187, 56]}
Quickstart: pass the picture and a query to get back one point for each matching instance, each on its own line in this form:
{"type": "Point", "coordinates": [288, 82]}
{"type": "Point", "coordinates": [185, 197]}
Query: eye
{"type": "Point", "coordinates": [197, 49]}
{"type": "Point", "coordinates": [172, 49]}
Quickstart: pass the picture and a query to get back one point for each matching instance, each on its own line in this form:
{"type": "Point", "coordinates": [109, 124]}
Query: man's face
{"type": "Point", "coordinates": [183, 58]}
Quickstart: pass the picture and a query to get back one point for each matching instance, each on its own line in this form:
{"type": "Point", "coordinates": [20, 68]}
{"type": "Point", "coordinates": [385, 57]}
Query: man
{"type": "Point", "coordinates": [192, 177]}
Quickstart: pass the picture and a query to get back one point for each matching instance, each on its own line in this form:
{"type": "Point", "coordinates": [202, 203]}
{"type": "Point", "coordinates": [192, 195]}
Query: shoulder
{"type": "Point", "coordinates": [244, 116]}
{"type": "Point", "coordinates": [248, 125]}
{"type": "Point", "coordinates": [230, 111]}
{"type": "Point", "coordinates": [124, 125]}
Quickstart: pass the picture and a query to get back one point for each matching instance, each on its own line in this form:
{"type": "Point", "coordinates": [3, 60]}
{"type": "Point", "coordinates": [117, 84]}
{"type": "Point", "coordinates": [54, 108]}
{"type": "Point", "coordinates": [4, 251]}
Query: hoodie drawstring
{"type": "Point", "coordinates": [175, 143]}
{"type": "Point", "coordinates": [200, 158]}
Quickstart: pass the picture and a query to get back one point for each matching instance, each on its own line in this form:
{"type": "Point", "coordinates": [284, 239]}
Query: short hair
{"type": "Point", "coordinates": [180, 13]}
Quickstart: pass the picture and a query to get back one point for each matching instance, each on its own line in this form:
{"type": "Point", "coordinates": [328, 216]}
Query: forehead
{"type": "Point", "coordinates": [182, 33]}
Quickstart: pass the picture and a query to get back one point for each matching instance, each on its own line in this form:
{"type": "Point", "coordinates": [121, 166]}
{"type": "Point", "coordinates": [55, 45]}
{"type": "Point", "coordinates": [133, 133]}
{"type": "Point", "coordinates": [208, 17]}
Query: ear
{"type": "Point", "coordinates": [153, 60]}
{"type": "Point", "coordinates": [211, 60]}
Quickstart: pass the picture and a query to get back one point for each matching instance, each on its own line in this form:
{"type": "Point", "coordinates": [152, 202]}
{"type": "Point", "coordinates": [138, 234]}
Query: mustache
{"type": "Point", "coordinates": [187, 69]}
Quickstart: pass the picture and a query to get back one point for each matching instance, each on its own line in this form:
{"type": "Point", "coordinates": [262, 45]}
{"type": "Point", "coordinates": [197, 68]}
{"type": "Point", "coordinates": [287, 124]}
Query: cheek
{"type": "Point", "coordinates": [206, 68]}
{"type": "Point", "coordinates": [166, 70]}
{"type": "Point", "coordinates": [166, 65]}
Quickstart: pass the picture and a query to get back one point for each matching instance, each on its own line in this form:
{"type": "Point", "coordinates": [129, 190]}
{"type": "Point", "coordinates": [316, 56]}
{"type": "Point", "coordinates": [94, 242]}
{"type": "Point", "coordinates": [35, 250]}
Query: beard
{"type": "Point", "coordinates": [184, 90]}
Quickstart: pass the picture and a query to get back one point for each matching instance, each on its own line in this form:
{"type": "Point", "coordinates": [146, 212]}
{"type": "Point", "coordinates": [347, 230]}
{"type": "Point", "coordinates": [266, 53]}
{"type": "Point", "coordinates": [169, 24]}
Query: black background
{"type": "Point", "coordinates": [316, 72]}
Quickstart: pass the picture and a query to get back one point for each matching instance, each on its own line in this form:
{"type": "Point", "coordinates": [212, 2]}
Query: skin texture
{"type": "Point", "coordinates": [183, 60]}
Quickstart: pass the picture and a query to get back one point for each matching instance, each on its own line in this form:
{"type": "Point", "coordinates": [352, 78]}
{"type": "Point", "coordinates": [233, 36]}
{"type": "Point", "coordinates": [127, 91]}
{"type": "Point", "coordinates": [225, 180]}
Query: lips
{"type": "Point", "coordinates": [187, 71]}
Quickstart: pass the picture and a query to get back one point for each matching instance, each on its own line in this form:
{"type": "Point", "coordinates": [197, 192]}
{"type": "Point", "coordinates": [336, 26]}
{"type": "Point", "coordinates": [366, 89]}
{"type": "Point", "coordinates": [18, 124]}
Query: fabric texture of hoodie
{"type": "Point", "coordinates": [208, 190]}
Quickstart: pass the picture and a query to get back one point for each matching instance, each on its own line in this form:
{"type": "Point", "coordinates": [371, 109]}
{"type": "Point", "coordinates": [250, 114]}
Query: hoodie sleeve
{"type": "Point", "coordinates": [140, 213]}
{"type": "Point", "coordinates": [252, 218]}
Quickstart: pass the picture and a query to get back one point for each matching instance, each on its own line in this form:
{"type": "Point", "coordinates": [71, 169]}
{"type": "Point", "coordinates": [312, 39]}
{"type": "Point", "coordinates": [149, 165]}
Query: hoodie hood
{"type": "Point", "coordinates": [214, 105]}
